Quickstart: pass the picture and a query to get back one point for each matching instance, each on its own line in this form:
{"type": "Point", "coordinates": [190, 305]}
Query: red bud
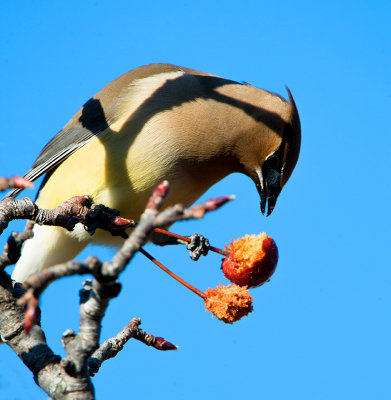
{"type": "Point", "coordinates": [29, 318]}
{"type": "Point", "coordinates": [163, 344]}
{"type": "Point", "coordinates": [120, 222]}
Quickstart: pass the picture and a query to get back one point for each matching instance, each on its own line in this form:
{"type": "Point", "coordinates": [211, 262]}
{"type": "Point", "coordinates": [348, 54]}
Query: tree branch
{"type": "Point", "coordinates": [111, 347]}
{"type": "Point", "coordinates": [70, 378]}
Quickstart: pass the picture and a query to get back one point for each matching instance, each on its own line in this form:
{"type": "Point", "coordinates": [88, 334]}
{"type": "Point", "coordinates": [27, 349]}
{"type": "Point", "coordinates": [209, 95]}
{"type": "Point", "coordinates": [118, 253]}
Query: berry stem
{"type": "Point", "coordinates": [186, 239]}
{"type": "Point", "coordinates": [165, 269]}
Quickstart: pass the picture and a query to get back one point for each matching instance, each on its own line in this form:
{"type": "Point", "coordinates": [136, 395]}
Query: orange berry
{"type": "Point", "coordinates": [228, 303]}
{"type": "Point", "coordinates": [252, 261]}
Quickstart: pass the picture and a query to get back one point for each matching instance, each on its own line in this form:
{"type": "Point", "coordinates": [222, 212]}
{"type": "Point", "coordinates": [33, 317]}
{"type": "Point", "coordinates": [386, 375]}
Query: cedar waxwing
{"type": "Point", "coordinates": [159, 122]}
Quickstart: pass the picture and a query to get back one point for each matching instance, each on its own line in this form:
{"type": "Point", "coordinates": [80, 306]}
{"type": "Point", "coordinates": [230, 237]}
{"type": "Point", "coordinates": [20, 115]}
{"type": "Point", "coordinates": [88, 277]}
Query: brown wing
{"type": "Point", "coordinates": [94, 117]}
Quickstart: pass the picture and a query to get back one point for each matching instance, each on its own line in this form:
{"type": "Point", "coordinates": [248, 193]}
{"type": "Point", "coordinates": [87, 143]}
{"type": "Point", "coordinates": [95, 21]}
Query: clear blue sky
{"type": "Point", "coordinates": [321, 328]}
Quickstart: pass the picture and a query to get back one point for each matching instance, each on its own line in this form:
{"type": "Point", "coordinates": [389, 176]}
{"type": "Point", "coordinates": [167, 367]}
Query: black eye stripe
{"type": "Point", "coordinates": [275, 160]}
{"type": "Point", "coordinates": [272, 161]}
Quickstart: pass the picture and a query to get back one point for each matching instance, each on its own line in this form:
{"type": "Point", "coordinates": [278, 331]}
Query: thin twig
{"type": "Point", "coordinates": [11, 252]}
{"type": "Point", "coordinates": [169, 272]}
{"type": "Point", "coordinates": [188, 240]}
{"type": "Point", "coordinates": [111, 347]}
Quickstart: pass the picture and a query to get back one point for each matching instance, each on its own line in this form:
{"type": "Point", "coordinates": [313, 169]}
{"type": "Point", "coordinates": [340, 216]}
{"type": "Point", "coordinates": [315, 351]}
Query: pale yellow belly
{"type": "Point", "coordinates": [120, 178]}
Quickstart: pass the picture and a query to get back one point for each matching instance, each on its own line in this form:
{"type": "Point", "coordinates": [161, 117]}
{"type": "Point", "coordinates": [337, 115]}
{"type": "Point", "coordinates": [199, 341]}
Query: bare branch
{"type": "Point", "coordinates": [157, 342]}
{"type": "Point", "coordinates": [151, 219]}
{"type": "Point", "coordinates": [33, 350]}
{"type": "Point", "coordinates": [111, 347]}
{"type": "Point", "coordinates": [11, 252]}
{"type": "Point", "coordinates": [11, 209]}
{"type": "Point", "coordinates": [67, 215]}
{"type": "Point", "coordinates": [70, 378]}
{"type": "Point", "coordinates": [94, 299]}
{"type": "Point", "coordinates": [38, 282]}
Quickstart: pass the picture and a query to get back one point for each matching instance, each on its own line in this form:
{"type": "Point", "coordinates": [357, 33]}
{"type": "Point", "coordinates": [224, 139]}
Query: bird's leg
{"type": "Point", "coordinates": [197, 245]}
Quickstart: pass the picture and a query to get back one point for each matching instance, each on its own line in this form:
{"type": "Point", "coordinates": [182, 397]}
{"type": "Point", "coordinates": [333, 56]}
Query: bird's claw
{"type": "Point", "coordinates": [198, 246]}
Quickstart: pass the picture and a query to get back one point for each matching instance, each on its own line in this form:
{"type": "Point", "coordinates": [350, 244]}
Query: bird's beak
{"type": "Point", "coordinates": [270, 201]}
{"type": "Point", "coordinates": [269, 188]}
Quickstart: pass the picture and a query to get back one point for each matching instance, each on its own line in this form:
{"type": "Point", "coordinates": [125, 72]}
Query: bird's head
{"type": "Point", "coordinates": [272, 155]}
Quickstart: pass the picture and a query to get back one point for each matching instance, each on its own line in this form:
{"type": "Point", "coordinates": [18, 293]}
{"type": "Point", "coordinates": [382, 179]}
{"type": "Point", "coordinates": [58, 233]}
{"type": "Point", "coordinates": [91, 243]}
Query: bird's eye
{"type": "Point", "coordinates": [273, 162]}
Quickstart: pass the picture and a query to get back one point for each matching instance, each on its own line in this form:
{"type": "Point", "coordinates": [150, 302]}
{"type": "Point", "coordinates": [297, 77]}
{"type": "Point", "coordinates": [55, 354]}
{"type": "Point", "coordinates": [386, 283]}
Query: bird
{"type": "Point", "coordinates": [159, 122]}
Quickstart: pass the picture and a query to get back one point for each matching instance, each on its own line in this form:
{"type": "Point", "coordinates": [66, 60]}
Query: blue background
{"type": "Point", "coordinates": [321, 327]}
